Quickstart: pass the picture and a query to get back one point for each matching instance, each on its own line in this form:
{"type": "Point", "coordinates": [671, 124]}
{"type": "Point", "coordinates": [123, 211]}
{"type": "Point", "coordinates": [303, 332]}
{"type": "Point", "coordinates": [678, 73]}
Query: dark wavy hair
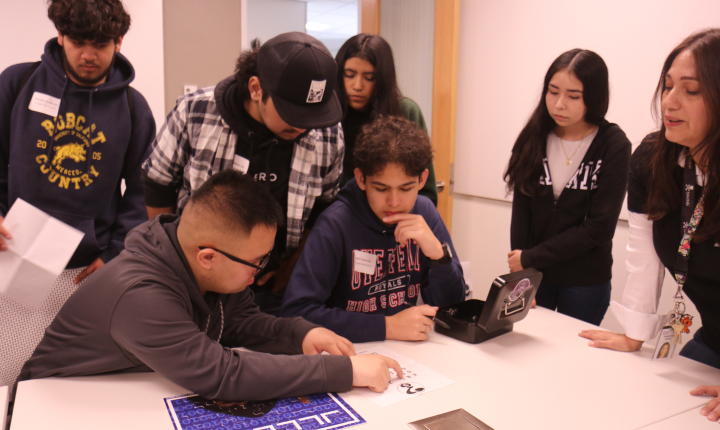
{"type": "Point", "coordinates": [96, 20]}
{"type": "Point", "coordinates": [526, 162]}
{"type": "Point", "coordinates": [246, 68]}
{"type": "Point", "coordinates": [376, 51]}
{"type": "Point", "coordinates": [392, 139]}
{"type": "Point", "coordinates": [665, 195]}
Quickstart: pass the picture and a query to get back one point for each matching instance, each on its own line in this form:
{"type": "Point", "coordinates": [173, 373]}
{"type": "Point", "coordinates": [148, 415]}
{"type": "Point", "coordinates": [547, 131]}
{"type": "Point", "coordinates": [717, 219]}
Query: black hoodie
{"type": "Point", "coordinates": [144, 311]}
{"type": "Point", "coordinates": [570, 239]}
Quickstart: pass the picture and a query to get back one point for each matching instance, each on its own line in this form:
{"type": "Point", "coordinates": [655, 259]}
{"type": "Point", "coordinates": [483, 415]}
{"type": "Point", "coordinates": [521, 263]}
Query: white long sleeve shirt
{"type": "Point", "coordinates": [637, 311]}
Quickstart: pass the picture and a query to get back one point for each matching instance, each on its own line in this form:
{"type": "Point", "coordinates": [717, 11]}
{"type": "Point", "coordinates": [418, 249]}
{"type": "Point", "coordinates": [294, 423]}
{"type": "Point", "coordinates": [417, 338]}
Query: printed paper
{"type": "Point", "coordinates": [417, 379]}
{"type": "Point", "coordinates": [39, 250]}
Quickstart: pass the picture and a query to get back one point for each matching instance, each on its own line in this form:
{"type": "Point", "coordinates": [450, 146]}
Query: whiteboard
{"type": "Point", "coordinates": [507, 46]}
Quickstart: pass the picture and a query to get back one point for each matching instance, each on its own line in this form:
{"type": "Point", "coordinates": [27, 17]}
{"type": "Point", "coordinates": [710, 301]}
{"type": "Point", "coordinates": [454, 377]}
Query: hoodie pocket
{"type": "Point", "coordinates": [88, 244]}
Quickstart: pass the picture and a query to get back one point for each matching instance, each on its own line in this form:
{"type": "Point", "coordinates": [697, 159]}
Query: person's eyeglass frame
{"type": "Point", "coordinates": [258, 267]}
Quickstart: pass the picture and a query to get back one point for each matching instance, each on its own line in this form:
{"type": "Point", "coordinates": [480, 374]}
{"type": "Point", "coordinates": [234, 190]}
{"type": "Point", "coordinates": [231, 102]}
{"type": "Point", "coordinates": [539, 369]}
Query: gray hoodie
{"type": "Point", "coordinates": [143, 311]}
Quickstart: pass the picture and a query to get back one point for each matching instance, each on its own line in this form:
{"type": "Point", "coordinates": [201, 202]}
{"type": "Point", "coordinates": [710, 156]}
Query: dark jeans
{"type": "Point", "coordinates": [698, 350]}
{"type": "Point", "coordinates": [587, 303]}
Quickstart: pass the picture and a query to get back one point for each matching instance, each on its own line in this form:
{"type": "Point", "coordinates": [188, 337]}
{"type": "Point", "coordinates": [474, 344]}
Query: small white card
{"type": "Point", "coordinates": [241, 163]}
{"type": "Point", "coordinates": [39, 250]}
{"type": "Point", "coordinates": [44, 103]}
{"type": "Point", "coordinates": [417, 380]}
{"type": "Point", "coordinates": [364, 262]}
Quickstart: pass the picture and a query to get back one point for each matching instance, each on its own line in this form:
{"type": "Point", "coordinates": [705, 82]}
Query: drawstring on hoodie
{"type": "Point", "coordinates": [273, 143]}
{"type": "Point", "coordinates": [222, 322]}
{"type": "Point", "coordinates": [51, 145]}
{"type": "Point", "coordinates": [90, 123]}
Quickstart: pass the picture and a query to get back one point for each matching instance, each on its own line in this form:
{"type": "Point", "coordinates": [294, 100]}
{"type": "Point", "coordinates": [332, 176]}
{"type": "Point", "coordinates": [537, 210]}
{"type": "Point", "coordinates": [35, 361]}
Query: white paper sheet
{"type": "Point", "coordinates": [417, 379]}
{"type": "Point", "coordinates": [39, 250]}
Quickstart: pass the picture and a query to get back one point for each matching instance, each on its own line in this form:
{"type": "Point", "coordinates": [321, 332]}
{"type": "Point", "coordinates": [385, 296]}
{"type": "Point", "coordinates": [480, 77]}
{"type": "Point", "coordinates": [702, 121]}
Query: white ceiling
{"type": "Point", "coordinates": [339, 17]}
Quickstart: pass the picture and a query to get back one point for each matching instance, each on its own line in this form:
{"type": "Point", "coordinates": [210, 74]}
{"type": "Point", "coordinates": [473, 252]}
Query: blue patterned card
{"type": "Point", "coordinates": [318, 411]}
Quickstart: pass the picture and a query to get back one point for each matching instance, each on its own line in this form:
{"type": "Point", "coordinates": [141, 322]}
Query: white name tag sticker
{"type": "Point", "coordinates": [241, 163]}
{"type": "Point", "coordinates": [44, 103]}
{"type": "Point", "coordinates": [364, 262]}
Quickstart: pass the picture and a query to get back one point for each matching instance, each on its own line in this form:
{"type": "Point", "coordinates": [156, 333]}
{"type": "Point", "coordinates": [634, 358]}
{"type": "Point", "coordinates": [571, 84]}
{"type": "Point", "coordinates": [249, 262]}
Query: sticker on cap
{"type": "Point", "coordinates": [317, 89]}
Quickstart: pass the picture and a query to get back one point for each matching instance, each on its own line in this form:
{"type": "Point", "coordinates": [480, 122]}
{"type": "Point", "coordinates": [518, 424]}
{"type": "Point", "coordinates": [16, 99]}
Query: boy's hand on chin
{"type": "Point", "coordinates": [414, 227]}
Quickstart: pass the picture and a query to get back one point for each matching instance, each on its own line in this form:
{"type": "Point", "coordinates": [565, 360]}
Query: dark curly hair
{"type": "Point", "coordinates": [96, 20]}
{"type": "Point", "coordinates": [246, 68]}
{"type": "Point", "coordinates": [392, 139]}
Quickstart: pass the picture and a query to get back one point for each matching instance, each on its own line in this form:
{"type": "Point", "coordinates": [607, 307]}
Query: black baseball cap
{"type": "Point", "coordinates": [300, 74]}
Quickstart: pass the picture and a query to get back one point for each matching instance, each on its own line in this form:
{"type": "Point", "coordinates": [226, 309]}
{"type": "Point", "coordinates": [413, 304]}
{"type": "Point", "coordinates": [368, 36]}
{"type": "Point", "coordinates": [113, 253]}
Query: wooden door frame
{"type": "Point", "coordinates": [445, 72]}
{"type": "Point", "coordinates": [369, 16]}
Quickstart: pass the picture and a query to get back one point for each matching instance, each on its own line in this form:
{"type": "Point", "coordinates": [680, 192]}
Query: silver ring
{"type": "Point", "coordinates": [425, 329]}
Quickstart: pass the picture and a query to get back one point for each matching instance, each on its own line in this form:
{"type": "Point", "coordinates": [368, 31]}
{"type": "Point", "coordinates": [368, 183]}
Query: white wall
{"type": "Point", "coordinates": [408, 26]}
{"type": "Point", "coordinates": [268, 18]}
{"type": "Point", "coordinates": [25, 27]}
{"type": "Point", "coordinates": [507, 46]}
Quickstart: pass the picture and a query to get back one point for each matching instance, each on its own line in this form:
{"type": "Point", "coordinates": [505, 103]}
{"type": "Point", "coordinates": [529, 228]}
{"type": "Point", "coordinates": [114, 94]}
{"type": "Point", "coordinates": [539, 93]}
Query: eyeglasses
{"type": "Point", "coordinates": [257, 268]}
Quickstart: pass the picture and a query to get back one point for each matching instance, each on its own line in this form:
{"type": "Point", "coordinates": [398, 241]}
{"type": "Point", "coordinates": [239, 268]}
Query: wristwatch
{"type": "Point", "coordinates": [446, 258]}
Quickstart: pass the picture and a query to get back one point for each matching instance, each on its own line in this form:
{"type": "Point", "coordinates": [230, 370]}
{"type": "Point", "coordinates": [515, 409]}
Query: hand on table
{"type": "Point", "coordinates": [411, 324]}
{"type": "Point", "coordinates": [319, 340]}
{"type": "Point", "coordinates": [610, 340]}
{"type": "Point", "coordinates": [414, 227]}
{"type": "Point", "coordinates": [712, 409]}
{"type": "Point", "coordinates": [514, 260]}
{"type": "Point", "coordinates": [3, 234]}
{"type": "Point", "coordinates": [372, 371]}
{"type": "Point", "coordinates": [89, 270]}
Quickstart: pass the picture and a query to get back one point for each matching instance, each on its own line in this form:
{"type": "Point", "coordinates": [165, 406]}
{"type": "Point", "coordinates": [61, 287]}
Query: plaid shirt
{"type": "Point", "coordinates": [195, 142]}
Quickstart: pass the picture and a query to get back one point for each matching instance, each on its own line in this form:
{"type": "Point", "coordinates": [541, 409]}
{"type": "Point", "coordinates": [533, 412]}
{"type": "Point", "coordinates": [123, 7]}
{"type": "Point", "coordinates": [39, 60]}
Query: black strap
{"type": "Point", "coordinates": [688, 192]}
{"type": "Point", "coordinates": [686, 212]}
{"type": "Point", "coordinates": [25, 79]}
{"type": "Point", "coordinates": [130, 102]}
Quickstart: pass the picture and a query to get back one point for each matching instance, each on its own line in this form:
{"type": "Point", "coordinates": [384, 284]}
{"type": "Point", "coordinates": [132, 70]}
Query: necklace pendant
{"type": "Point", "coordinates": [568, 162]}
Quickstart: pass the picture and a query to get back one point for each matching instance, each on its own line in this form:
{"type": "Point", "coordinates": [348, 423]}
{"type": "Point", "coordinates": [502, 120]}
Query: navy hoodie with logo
{"type": "Point", "coordinates": [71, 166]}
{"type": "Point", "coordinates": [325, 289]}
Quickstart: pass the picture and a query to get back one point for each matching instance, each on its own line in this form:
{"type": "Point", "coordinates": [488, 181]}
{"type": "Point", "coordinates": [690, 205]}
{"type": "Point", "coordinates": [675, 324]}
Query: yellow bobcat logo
{"type": "Point", "coordinates": [71, 150]}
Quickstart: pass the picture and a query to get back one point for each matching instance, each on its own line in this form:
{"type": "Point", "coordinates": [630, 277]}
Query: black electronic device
{"type": "Point", "coordinates": [508, 302]}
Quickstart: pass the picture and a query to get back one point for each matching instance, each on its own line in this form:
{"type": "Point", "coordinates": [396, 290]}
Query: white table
{"type": "Point", "coordinates": [685, 420]}
{"type": "Point", "coordinates": [3, 405]}
{"type": "Point", "coordinates": [540, 376]}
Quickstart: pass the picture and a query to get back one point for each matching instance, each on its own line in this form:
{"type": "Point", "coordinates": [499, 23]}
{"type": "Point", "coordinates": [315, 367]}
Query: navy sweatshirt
{"type": "Point", "coordinates": [71, 166]}
{"type": "Point", "coordinates": [325, 290]}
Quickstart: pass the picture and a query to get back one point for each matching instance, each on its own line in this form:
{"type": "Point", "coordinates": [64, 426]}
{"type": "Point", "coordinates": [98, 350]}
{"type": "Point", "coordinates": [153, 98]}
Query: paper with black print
{"type": "Point", "coordinates": [417, 379]}
{"type": "Point", "coordinates": [37, 252]}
